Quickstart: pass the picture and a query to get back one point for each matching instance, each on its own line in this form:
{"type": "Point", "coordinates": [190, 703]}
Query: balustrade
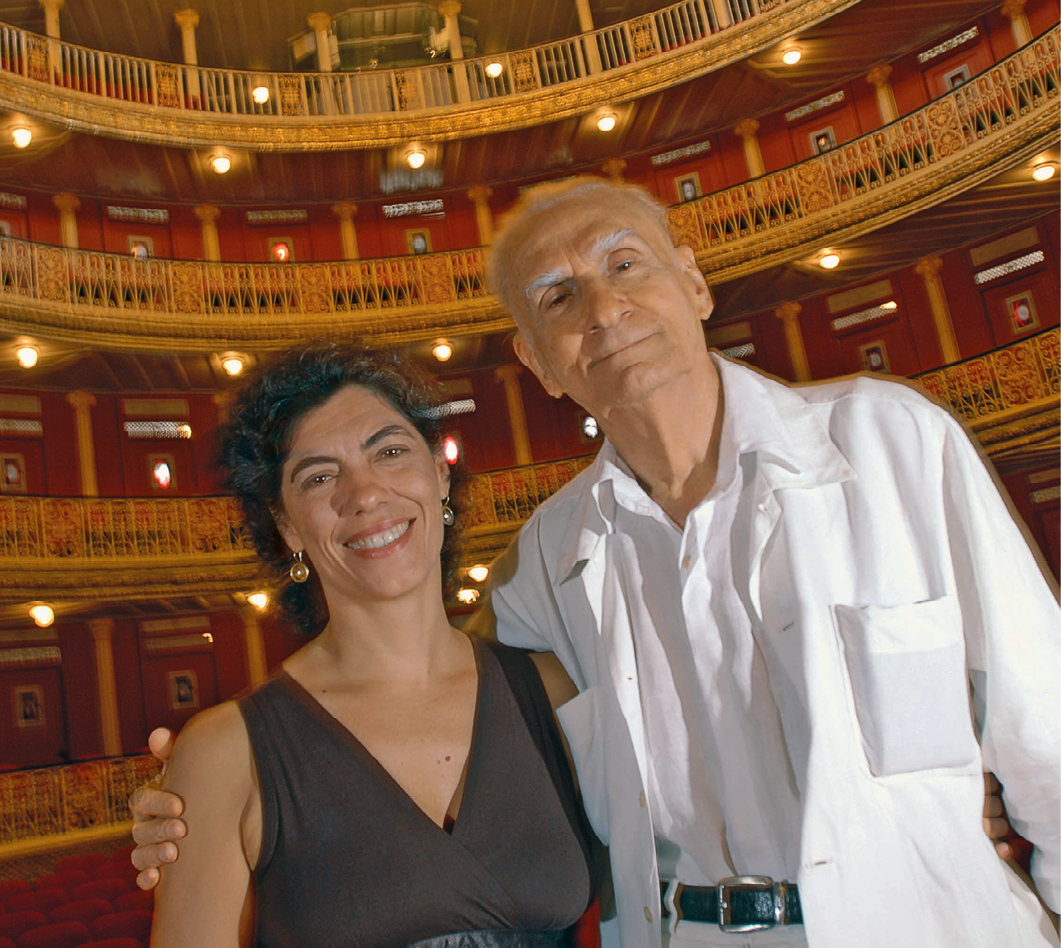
{"type": "Point", "coordinates": [196, 88]}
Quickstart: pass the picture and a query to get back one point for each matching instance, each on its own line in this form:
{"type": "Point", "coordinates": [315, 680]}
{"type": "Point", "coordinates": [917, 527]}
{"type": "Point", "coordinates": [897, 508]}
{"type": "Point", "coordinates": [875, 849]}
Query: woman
{"type": "Point", "coordinates": [395, 782]}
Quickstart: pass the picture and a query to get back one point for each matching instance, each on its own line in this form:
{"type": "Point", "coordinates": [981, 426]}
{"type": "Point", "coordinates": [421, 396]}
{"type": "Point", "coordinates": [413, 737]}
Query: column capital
{"type": "Point", "coordinates": [186, 19]}
{"type": "Point", "coordinates": [65, 202]}
{"type": "Point", "coordinates": [345, 210]}
{"type": "Point", "coordinates": [788, 312]}
{"type": "Point", "coordinates": [746, 129]}
{"type": "Point", "coordinates": [614, 168]}
{"type": "Point", "coordinates": [1013, 8]}
{"type": "Point", "coordinates": [879, 75]}
{"type": "Point", "coordinates": [507, 374]}
{"type": "Point", "coordinates": [81, 400]}
{"type": "Point", "coordinates": [319, 22]}
{"type": "Point", "coordinates": [55, 5]}
{"type": "Point", "coordinates": [928, 267]}
{"type": "Point", "coordinates": [102, 628]}
{"type": "Point", "coordinates": [480, 193]}
{"type": "Point", "coordinates": [449, 8]}
{"type": "Point", "coordinates": [207, 213]}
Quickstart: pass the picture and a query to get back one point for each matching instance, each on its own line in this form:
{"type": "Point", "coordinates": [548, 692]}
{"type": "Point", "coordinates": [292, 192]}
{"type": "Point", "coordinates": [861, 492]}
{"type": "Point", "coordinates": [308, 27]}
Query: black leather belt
{"type": "Point", "coordinates": [499, 939]}
{"type": "Point", "coordinates": [737, 904]}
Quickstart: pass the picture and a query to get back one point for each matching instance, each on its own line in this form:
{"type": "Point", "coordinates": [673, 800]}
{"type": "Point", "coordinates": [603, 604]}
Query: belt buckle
{"type": "Point", "coordinates": [725, 909]}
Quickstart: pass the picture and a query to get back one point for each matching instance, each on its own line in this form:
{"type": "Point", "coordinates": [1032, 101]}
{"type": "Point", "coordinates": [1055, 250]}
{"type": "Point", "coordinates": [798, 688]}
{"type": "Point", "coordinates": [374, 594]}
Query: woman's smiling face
{"type": "Point", "coordinates": [361, 493]}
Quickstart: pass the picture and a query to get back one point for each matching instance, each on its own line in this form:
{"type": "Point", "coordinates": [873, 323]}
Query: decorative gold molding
{"type": "Point", "coordinates": [165, 122]}
{"type": "Point", "coordinates": [951, 145]}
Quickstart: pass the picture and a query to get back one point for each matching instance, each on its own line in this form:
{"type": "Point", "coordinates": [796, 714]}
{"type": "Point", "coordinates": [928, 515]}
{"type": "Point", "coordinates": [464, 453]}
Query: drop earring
{"type": "Point", "coordinates": [299, 571]}
{"type": "Point", "coordinates": [448, 516]}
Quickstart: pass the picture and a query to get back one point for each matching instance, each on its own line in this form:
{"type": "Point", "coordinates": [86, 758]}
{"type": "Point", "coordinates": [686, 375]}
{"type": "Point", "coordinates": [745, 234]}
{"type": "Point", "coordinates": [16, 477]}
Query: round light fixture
{"type": "Point", "coordinates": [21, 136]}
{"type": "Point", "coordinates": [259, 600]}
{"type": "Point", "coordinates": [416, 159]}
{"type": "Point", "coordinates": [221, 164]}
{"type": "Point", "coordinates": [479, 572]}
{"type": "Point", "coordinates": [27, 356]}
{"type": "Point", "coordinates": [1044, 171]}
{"type": "Point", "coordinates": [442, 350]}
{"type": "Point", "coordinates": [232, 365]}
{"type": "Point", "coordinates": [451, 450]}
{"type": "Point", "coordinates": [468, 596]}
{"type": "Point", "coordinates": [829, 261]}
{"type": "Point", "coordinates": [42, 615]}
{"type": "Point", "coordinates": [260, 94]}
{"type": "Point", "coordinates": [606, 122]}
{"type": "Point", "coordinates": [792, 56]}
{"type": "Point", "coordinates": [494, 69]}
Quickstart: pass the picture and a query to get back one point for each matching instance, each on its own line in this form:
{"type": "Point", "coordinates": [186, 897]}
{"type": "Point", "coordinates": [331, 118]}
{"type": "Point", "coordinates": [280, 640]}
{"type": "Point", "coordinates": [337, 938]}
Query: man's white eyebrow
{"type": "Point", "coordinates": [602, 245]}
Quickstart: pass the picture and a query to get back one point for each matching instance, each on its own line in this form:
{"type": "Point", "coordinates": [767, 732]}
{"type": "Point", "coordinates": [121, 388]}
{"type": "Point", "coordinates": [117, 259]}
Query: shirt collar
{"type": "Point", "coordinates": [761, 416]}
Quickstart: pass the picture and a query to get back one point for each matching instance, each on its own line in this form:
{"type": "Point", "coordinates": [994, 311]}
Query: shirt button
{"type": "Point", "coordinates": [648, 913]}
{"type": "Point", "coordinates": [642, 800]}
{"type": "Point", "coordinates": [686, 561]}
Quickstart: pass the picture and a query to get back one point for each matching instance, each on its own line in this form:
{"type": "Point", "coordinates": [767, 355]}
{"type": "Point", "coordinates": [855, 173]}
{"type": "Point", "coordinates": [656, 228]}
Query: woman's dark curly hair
{"type": "Point", "coordinates": [256, 439]}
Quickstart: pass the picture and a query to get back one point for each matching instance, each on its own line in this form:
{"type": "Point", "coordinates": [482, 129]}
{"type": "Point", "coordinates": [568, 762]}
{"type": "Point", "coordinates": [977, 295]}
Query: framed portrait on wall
{"type": "Point", "coordinates": [1022, 314]}
{"type": "Point", "coordinates": [875, 356]}
{"type": "Point", "coordinates": [5, 228]}
{"type": "Point", "coordinates": [687, 187]}
{"type": "Point", "coordinates": [418, 241]}
{"type": "Point", "coordinates": [183, 689]}
{"type": "Point", "coordinates": [822, 141]}
{"type": "Point", "coordinates": [141, 247]}
{"type": "Point", "coordinates": [12, 474]}
{"type": "Point", "coordinates": [28, 705]}
{"type": "Point", "coordinates": [956, 77]}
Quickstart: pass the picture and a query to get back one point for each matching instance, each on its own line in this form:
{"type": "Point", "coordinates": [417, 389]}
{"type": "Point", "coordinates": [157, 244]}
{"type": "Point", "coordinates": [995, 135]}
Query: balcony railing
{"type": "Point", "coordinates": [90, 531]}
{"type": "Point", "coordinates": [952, 144]}
{"type": "Point", "coordinates": [228, 92]}
{"type": "Point", "coordinates": [59, 800]}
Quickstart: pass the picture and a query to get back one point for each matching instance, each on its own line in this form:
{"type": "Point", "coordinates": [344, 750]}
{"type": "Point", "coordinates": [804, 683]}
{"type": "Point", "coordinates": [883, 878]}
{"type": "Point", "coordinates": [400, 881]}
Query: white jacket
{"type": "Point", "coordinates": [889, 576]}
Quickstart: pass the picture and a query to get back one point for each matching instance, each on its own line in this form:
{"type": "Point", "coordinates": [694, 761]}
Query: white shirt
{"type": "Point", "coordinates": [883, 576]}
{"type": "Point", "coordinates": [717, 811]}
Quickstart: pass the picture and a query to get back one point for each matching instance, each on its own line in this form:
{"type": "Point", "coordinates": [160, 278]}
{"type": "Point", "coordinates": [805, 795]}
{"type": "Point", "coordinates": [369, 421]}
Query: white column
{"type": "Point", "coordinates": [508, 376]}
{"type": "Point", "coordinates": [83, 403]}
{"type": "Point", "coordinates": [320, 23]}
{"type": "Point", "coordinates": [188, 20]}
{"type": "Point", "coordinates": [788, 313]}
{"type": "Point", "coordinates": [1018, 22]}
{"type": "Point", "coordinates": [878, 78]}
{"type": "Point", "coordinates": [51, 28]}
{"type": "Point", "coordinates": [345, 211]}
{"type": "Point", "coordinates": [450, 9]}
{"type": "Point", "coordinates": [928, 269]}
{"type": "Point", "coordinates": [102, 630]}
{"type": "Point", "coordinates": [67, 205]}
{"type": "Point", "coordinates": [753, 157]}
{"type": "Point", "coordinates": [257, 670]}
{"type": "Point", "coordinates": [208, 215]}
{"type": "Point", "coordinates": [480, 196]}
{"type": "Point", "coordinates": [589, 42]}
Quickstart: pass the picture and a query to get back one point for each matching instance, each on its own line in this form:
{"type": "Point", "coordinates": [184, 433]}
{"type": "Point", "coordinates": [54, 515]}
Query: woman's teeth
{"type": "Point", "coordinates": [377, 540]}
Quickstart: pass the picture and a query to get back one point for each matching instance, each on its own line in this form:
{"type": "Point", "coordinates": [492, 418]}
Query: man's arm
{"type": "Point", "coordinates": [1013, 640]}
{"type": "Point", "coordinates": [205, 899]}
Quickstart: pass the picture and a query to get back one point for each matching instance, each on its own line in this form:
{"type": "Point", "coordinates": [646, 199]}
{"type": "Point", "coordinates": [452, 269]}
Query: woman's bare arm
{"type": "Point", "coordinates": [205, 898]}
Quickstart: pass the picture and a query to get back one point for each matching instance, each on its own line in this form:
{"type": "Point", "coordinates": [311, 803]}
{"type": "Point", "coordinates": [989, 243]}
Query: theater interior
{"type": "Point", "coordinates": [867, 185]}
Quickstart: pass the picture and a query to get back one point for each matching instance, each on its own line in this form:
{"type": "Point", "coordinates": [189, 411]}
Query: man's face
{"type": "Point", "coordinates": [612, 310]}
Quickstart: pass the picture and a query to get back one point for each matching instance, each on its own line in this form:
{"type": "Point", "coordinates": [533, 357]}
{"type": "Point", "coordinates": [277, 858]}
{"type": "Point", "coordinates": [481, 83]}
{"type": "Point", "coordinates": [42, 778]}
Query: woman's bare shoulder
{"type": "Point", "coordinates": [213, 749]}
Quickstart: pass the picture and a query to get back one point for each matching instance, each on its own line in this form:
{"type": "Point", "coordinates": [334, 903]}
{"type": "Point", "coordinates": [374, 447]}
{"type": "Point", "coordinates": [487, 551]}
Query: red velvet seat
{"type": "Point", "coordinates": [15, 923]}
{"type": "Point", "coordinates": [137, 899]}
{"type": "Point", "coordinates": [135, 924]}
{"type": "Point", "coordinates": [7, 943]}
{"type": "Point", "coordinates": [82, 911]}
{"type": "Point", "coordinates": [63, 935]}
{"type": "Point", "coordinates": [85, 862]}
{"type": "Point", "coordinates": [108, 889]}
{"type": "Point", "coordinates": [122, 855]}
{"type": "Point", "coordinates": [111, 943]}
{"type": "Point", "coordinates": [63, 880]}
{"type": "Point", "coordinates": [9, 887]}
{"type": "Point", "coordinates": [43, 900]}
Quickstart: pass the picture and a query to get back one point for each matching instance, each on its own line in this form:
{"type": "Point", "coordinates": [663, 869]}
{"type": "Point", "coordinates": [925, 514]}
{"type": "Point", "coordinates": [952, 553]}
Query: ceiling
{"type": "Point", "coordinates": [249, 34]}
{"type": "Point", "coordinates": [837, 50]}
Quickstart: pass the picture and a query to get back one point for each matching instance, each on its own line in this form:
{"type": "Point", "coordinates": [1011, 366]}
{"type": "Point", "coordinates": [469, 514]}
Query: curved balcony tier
{"type": "Point", "coordinates": [960, 140]}
{"type": "Point", "coordinates": [91, 549]}
{"type": "Point", "coordinates": [170, 103]}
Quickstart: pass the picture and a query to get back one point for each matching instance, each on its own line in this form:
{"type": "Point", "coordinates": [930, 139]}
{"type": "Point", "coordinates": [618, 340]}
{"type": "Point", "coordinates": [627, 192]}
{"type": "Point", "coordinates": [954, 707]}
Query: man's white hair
{"type": "Point", "coordinates": [507, 246]}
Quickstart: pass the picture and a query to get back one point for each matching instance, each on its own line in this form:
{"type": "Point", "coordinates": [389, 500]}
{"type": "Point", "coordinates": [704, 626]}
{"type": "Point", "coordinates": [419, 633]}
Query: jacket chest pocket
{"type": "Point", "coordinates": [907, 669]}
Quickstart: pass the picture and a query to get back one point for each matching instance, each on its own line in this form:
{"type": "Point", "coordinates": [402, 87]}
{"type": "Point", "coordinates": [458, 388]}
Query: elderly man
{"type": "Point", "coordinates": [801, 621]}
